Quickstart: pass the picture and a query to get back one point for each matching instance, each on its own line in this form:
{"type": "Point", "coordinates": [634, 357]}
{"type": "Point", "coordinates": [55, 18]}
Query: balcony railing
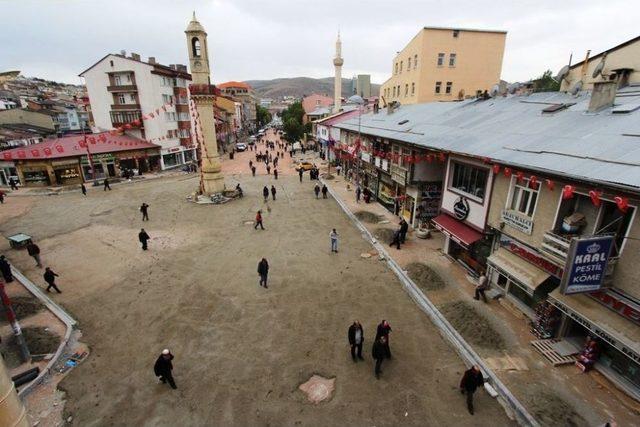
{"type": "Point", "coordinates": [125, 106]}
{"type": "Point", "coordinates": [119, 118]}
{"type": "Point", "coordinates": [556, 248]}
{"type": "Point", "coordinates": [122, 88]}
{"type": "Point", "coordinates": [204, 90]}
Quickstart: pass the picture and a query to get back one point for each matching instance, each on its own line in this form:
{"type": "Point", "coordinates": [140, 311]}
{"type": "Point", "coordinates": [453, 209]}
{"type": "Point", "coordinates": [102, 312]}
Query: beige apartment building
{"type": "Point", "coordinates": [445, 64]}
{"type": "Point", "coordinates": [621, 63]}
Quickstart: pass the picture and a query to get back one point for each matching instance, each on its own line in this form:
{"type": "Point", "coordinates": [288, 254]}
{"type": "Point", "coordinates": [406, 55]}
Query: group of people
{"type": "Point", "coordinates": [365, 194]}
{"type": "Point", "coordinates": [380, 349]}
{"type": "Point", "coordinates": [317, 190]}
{"type": "Point", "coordinates": [265, 193]}
{"type": "Point", "coordinates": [34, 251]}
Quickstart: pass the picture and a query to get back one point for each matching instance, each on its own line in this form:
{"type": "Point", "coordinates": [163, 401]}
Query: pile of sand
{"type": "Point", "coordinates": [551, 410]}
{"type": "Point", "coordinates": [23, 307]}
{"type": "Point", "coordinates": [425, 277]}
{"type": "Point", "coordinates": [40, 341]}
{"type": "Point", "coordinates": [384, 234]}
{"type": "Point", "coordinates": [474, 328]}
{"type": "Point", "coordinates": [369, 217]}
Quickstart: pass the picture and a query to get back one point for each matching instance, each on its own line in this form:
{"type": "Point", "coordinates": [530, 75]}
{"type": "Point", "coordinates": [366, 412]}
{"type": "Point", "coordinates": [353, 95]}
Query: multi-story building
{"type": "Point", "coordinates": [445, 64]}
{"type": "Point", "coordinates": [243, 93]}
{"type": "Point", "coordinates": [316, 107]}
{"type": "Point", "coordinates": [540, 192]}
{"type": "Point", "coordinates": [361, 85]}
{"type": "Point", "coordinates": [148, 100]}
{"type": "Point", "coordinates": [621, 62]}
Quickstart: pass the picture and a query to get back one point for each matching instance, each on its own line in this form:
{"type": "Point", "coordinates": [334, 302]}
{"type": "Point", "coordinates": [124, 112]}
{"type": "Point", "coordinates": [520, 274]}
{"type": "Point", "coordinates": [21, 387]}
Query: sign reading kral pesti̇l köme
{"type": "Point", "coordinates": [586, 264]}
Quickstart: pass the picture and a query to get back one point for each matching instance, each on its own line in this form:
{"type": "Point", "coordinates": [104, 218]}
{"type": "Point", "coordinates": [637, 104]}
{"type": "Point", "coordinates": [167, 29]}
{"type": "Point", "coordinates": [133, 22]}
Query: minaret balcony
{"type": "Point", "coordinates": [204, 89]}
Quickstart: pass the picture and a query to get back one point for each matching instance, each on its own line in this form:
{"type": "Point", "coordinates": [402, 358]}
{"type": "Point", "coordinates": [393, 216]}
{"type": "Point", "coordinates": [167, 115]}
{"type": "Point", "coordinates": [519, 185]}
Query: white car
{"type": "Point", "coordinates": [241, 146]}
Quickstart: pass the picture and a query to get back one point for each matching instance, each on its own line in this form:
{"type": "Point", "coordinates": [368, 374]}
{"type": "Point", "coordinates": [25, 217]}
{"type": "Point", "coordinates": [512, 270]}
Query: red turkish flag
{"type": "Point", "coordinates": [22, 154]}
{"type": "Point", "coordinates": [496, 169]}
{"type": "Point", "coordinates": [59, 148]}
{"type": "Point", "coordinates": [92, 140]}
{"type": "Point", "coordinates": [35, 152]}
{"type": "Point", "coordinates": [7, 155]}
{"type": "Point", "coordinates": [47, 151]}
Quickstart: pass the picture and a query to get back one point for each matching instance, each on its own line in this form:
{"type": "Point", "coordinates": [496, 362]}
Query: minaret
{"type": "Point", "coordinates": [203, 96]}
{"type": "Point", "coordinates": [337, 83]}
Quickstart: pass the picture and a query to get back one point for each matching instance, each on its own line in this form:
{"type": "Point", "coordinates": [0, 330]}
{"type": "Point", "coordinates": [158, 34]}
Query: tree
{"type": "Point", "coordinates": [263, 116]}
{"type": "Point", "coordinates": [546, 83]}
{"type": "Point", "coordinates": [292, 119]}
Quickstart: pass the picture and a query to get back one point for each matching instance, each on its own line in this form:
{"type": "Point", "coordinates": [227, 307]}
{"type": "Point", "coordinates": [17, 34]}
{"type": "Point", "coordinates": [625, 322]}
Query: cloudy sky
{"type": "Point", "coordinates": [256, 39]}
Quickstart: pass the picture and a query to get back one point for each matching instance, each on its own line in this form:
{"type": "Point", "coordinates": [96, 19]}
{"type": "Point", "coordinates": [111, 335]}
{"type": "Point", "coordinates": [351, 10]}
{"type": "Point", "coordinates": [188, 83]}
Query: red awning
{"type": "Point", "coordinates": [456, 230]}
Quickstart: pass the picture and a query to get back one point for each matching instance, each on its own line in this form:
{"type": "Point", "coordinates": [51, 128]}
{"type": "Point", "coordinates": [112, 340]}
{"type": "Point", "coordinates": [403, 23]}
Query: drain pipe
{"type": "Point", "coordinates": [12, 411]}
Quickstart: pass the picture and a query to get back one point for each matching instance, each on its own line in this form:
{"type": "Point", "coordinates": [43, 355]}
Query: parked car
{"type": "Point", "coordinates": [305, 166]}
{"type": "Point", "coordinates": [241, 146]}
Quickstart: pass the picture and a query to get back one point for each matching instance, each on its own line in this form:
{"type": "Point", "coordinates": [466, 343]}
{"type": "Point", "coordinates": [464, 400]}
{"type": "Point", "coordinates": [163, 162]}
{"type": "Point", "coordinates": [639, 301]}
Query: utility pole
{"type": "Point", "coordinates": [25, 356]}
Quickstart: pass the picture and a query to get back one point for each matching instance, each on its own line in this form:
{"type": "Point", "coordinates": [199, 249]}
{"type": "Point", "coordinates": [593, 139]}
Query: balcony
{"type": "Point", "coordinates": [129, 107]}
{"type": "Point", "coordinates": [122, 88]}
{"type": "Point", "coordinates": [555, 247]}
{"type": "Point", "coordinates": [119, 118]}
{"type": "Point", "coordinates": [204, 90]}
{"type": "Point", "coordinates": [399, 174]}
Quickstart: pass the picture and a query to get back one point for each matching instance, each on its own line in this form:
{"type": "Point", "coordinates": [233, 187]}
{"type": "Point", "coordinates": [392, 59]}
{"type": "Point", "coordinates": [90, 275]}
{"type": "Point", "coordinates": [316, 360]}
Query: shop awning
{"type": "Point", "coordinates": [522, 271]}
{"type": "Point", "coordinates": [457, 231]}
{"type": "Point", "coordinates": [602, 321]}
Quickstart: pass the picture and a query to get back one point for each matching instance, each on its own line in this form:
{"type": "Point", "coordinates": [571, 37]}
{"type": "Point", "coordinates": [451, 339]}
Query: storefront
{"type": "Point", "coordinates": [36, 176]}
{"type": "Point", "coordinates": [370, 180]}
{"type": "Point", "coordinates": [522, 274]}
{"type": "Point", "coordinates": [614, 321]}
{"type": "Point", "coordinates": [8, 170]}
{"type": "Point", "coordinates": [466, 245]}
{"type": "Point", "coordinates": [101, 166]}
{"type": "Point", "coordinates": [67, 172]}
{"type": "Point", "coordinates": [387, 192]}
{"type": "Point", "coordinates": [429, 203]}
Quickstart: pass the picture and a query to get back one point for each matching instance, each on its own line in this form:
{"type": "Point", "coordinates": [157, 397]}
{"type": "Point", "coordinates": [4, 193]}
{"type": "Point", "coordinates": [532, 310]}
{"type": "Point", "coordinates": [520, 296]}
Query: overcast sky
{"type": "Point", "coordinates": [254, 39]}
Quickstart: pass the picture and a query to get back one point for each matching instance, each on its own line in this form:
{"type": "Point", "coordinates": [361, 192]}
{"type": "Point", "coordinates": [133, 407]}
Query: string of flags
{"type": "Point", "coordinates": [534, 182]}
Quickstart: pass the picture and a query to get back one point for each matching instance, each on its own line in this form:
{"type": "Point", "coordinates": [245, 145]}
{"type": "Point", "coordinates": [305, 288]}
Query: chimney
{"type": "Point", "coordinates": [585, 64]}
{"type": "Point", "coordinates": [602, 95]}
{"type": "Point", "coordinates": [152, 60]}
{"type": "Point", "coordinates": [135, 56]}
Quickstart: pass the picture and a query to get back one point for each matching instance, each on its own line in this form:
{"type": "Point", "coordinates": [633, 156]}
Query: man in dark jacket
{"type": "Point", "coordinates": [5, 269]}
{"type": "Point", "coordinates": [404, 227]}
{"type": "Point", "coordinates": [396, 238]}
{"type": "Point", "coordinates": [379, 353]}
{"type": "Point", "coordinates": [383, 331]}
{"type": "Point", "coordinates": [163, 368]}
{"type": "Point", "coordinates": [471, 380]}
{"type": "Point", "coordinates": [263, 271]}
{"type": "Point", "coordinates": [106, 185]}
{"type": "Point", "coordinates": [300, 172]}
{"type": "Point", "coordinates": [356, 338]}
{"type": "Point", "coordinates": [324, 191]}
{"type": "Point", "coordinates": [265, 193]}
{"type": "Point", "coordinates": [34, 251]}
{"type": "Point", "coordinates": [143, 237]}
{"type": "Point", "coordinates": [273, 192]}
{"type": "Point", "coordinates": [50, 278]}
{"type": "Point", "coordinates": [144, 208]}
{"type": "Point", "coordinates": [316, 190]}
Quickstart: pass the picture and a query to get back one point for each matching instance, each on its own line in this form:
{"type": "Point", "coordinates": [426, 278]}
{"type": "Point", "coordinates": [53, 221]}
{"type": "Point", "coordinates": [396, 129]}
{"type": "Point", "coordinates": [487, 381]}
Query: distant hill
{"type": "Point", "coordinates": [301, 86]}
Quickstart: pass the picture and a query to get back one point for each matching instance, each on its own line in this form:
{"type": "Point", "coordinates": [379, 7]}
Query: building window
{"type": "Point", "coordinates": [438, 87]}
{"type": "Point", "coordinates": [132, 98]}
{"type": "Point", "coordinates": [195, 47]}
{"type": "Point", "coordinates": [401, 65]}
{"type": "Point", "coordinates": [409, 64]}
{"type": "Point", "coordinates": [456, 33]}
{"type": "Point", "coordinates": [121, 99]}
{"type": "Point", "coordinates": [448, 89]}
{"type": "Point", "coordinates": [440, 59]}
{"type": "Point", "coordinates": [117, 80]}
{"type": "Point", "coordinates": [524, 195]}
{"type": "Point", "coordinates": [452, 60]}
{"type": "Point", "coordinates": [128, 78]}
{"type": "Point", "coordinates": [406, 89]}
{"type": "Point", "coordinates": [470, 180]}
{"type": "Point", "coordinates": [396, 68]}
{"type": "Point", "coordinates": [413, 88]}
{"type": "Point", "coordinates": [167, 99]}
{"type": "Point", "coordinates": [415, 61]}
{"type": "Point", "coordinates": [394, 91]}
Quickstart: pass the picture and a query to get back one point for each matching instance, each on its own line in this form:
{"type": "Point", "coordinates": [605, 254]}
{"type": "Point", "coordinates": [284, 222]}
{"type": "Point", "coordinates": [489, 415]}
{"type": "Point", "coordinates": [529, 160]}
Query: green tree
{"type": "Point", "coordinates": [263, 116]}
{"type": "Point", "coordinates": [546, 83]}
{"type": "Point", "coordinates": [292, 122]}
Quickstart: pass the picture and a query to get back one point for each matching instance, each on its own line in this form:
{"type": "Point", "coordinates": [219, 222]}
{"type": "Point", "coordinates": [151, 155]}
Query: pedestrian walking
{"type": "Point", "coordinates": [144, 238]}
{"type": "Point", "coordinates": [396, 238]}
{"type": "Point", "coordinates": [471, 380]}
{"type": "Point", "coordinates": [481, 286]}
{"type": "Point", "coordinates": [358, 193]}
{"type": "Point", "coordinates": [275, 173]}
{"type": "Point", "coordinates": [383, 330]}
{"type": "Point", "coordinates": [268, 169]}
{"type": "Point", "coordinates": [34, 252]}
{"type": "Point", "coordinates": [83, 189]}
{"type": "Point", "coordinates": [5, 269]}
{"type": "Point", "coordinates": [144, 208]}
{"type": "Point", "coordinates": [258, 220]}
{"type": "Point", "coordinates": [163, 367]}
{"type": "Point", "coordinates": [273, 192]}
{"type": "Point", "coordinates": [404, 228]}
{"type": "Point", "coordinates": [50, 278]}
{"type": "Point", "coordinates": [13, 184]}
{"type": "Point", "coordinates": [378, 352]}
{"type": "Point", "coordinates": [338, 169]}
{"type": "Point", "coordinates": [250, 164]}
{"type": "Point", "coordinates": [316, 190]}
{"type": "Point", "coordinates": [333, 236]}
{"type": "Point", "coordinates": [300, 172]}
{"type": "Point", "coordinates": [263, 271]}
{"type": "Point", "coordinates": [356, 339]}
{"type": "Point", "coordinates": [1, 197]}
{"type": "Point", "coordinates": [324, 191]}
{"type": "Point", "coordinates": [253, 170]}
{"type": "Point", "coordinates": [239, 191]}
{"type": "Point", "coordinates": [106, 185]}
{"type": "Point", "coordinates": [265, 193]}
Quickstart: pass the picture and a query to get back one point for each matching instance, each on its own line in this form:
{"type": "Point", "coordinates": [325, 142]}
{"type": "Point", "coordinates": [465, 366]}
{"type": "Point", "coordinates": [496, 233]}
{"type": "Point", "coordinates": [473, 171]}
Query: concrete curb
{"type": "Point", "coordinates": [59, 312]}
{"type": "Point", "coordinates": [468, 354]}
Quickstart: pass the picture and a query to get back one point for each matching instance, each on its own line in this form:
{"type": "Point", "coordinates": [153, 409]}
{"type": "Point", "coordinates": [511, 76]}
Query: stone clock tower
{"type": "Point", "coordinates": [203, 96]}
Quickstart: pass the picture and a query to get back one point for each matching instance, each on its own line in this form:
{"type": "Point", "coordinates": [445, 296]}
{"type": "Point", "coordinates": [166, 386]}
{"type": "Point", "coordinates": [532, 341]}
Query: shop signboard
{"type": "Point", "coordinates": [530, 255]}
{"type": "Point", "coordinates": [461, 209]}
{"type": "Point", "coordinates": [430, 200]}
{"type": "Point", "coordinates": [517, 221]}
{"type": "Point", "coordinates": [586, 265]}
{"type": "Point", "coordinates": [97, 158]}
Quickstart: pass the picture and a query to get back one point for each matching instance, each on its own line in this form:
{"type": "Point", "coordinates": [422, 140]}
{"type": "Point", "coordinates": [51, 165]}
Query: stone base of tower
{"type": "Point", "coordinates": [212, 181]}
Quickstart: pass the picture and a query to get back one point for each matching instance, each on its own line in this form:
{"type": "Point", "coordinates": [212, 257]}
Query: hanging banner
{"type": "Point", "coordinates": [586, 264]}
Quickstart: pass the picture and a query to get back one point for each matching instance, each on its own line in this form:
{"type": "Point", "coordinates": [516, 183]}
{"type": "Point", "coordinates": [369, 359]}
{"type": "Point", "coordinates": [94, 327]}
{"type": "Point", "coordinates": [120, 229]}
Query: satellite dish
{"type": "Point", "coordinates": [562, 73]}
{"type": "Point", "coordinates": [494, 90]}
{"type": "Point", "coordinates": [599, 68]}
{"type": "Point", "coordinates": [576, 88]}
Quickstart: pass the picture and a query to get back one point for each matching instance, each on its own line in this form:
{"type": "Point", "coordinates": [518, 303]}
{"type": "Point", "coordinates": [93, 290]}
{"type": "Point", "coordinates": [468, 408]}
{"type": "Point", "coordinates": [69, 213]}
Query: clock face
{"type": "Point", "coordinates": [197, 64]}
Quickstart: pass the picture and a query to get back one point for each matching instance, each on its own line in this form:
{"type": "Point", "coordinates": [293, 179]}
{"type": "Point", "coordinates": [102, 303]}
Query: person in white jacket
{"type": "Point", "coordinates": [334, 240]}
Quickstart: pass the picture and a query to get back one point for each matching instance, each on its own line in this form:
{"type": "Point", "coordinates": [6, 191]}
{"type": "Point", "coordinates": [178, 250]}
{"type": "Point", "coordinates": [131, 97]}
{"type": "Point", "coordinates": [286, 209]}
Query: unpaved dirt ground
{"type": "Point", "coordinates": [23, 306]}
{"type": "Point", "coordinates": [424, 276]}
{"type": "Point", "coordinates": [471, 325]}
{"type": "Point", "coordinates": [241, 350]}
{"type": "Point", "coordinates": [551, 410]}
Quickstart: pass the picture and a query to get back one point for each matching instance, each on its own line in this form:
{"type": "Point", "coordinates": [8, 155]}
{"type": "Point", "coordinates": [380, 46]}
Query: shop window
{"type": "Point", "coordinates": [440, 59]}
{"type": "Point", "coordinates": [470, 180]}
{"type": "Point", "coordinates": [438, 87]}
{"type": "Point", "coordinates": [523, 196]}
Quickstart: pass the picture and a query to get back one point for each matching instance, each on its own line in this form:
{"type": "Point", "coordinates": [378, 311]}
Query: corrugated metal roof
{"type": "Point", "coordinates": [513, 130]}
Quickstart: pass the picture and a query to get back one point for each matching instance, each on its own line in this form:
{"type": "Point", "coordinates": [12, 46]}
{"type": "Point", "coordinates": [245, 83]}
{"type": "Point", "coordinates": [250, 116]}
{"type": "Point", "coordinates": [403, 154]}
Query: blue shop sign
{"type": "Point", "coordinates": [586, 264]}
